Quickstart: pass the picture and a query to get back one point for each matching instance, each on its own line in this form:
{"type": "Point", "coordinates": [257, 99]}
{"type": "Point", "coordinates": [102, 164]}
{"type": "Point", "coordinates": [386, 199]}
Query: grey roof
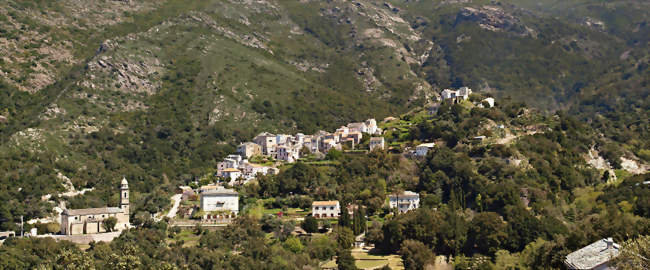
{"type": "Point", "coordinates": [591, 256]}
{"type": "Point", "coordinates": [405, 194]}
{"type": "Point", "coordinates": [265, 134]}
{"type": "Point", "coordinates": [92, 211]}
{"type": "Point", "coordinates": [219, 191]}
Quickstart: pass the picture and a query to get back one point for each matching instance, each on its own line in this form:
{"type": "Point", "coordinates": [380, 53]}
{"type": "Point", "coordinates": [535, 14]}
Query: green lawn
{"type": "Point", "coordinates": [188, 237]}
{"type": "Point", "coordinates": [365, 260]}
{"type": "Point", "coordinates": [290, 211]}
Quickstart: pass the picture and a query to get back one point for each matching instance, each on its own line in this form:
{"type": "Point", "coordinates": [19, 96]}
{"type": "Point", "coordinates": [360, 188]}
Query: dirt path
{"type": "Point", "coordinates": [177, 201]}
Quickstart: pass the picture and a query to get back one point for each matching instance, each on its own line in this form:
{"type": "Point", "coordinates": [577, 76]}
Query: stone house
{"type": "Point", "coordinates": [312, 143]}
{"type": "Point", "coordinates": [268, 142]}
{"type": "Point", "coordinates": [226, 164]}
{"type": "Point", "coordinates": [288, 153]}
{"type": "Point", "coordinates": [249, 149]}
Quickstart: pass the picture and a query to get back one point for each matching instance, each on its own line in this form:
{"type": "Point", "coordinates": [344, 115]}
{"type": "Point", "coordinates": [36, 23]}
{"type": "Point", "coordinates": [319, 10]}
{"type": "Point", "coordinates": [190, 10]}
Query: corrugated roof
{"type": "Point", "coordinates": [598, 253]}
{"type": "Point", "coordinates": [92, 211]}
{"type": "Point", "coordinates": [321, 203]}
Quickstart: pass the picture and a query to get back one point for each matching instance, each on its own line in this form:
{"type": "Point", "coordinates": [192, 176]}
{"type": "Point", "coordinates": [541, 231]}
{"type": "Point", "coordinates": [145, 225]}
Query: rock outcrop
{"type": "Point", "coordinates": [495, 19]}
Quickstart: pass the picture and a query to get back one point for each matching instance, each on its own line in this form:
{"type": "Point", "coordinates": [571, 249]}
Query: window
{"type": "Point", "coordinates": [75, 218]}
{"type": "Point", "coordinates": [331, 207]}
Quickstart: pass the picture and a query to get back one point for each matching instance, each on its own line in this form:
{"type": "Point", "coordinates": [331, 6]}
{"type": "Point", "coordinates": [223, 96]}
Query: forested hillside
{"type": "Point", "coordinates": [159, 91]}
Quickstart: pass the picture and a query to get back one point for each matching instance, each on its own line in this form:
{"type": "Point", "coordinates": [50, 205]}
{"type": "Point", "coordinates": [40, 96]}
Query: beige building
{"type": "Point", "coordinates": [89, 220]}
{"type": "Point", "coordinates": [249, 149]}
{"type": "Point", "coordinates": [268, 142]}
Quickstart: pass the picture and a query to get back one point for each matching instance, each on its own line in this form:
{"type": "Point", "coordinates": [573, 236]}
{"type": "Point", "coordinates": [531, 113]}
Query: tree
{"type": "Point", "coordinates": [310, 224]}
{"type": "Point", "coordinates": [129, 259]}
{"type": "Point", "coordinates": [270, 223]}
{"type": "Point", "coordinates": [344, 218]}
{"type": "Point", "coordinates": [334, 154]}
{"type": "Point", "coordinates": [634, 254]}
{"type": "Point", "coordinates": [359, 225]}
{"type": "Point", "coordinates": [344, 260]}
{"type": "Point", "coordinates": [293, 244]}
{"type": "Point", "coordinates": [486, 234]}
{"type": "Point", "coordinates": [109, 224]}
{"type": "Point", "coordinates": [393, 235]}
{"type": "Point", "coordinates": [344, 237]}
{"type": "Point", "coordinates": [415, 254]}
{"type": "Point", "coordinates": [322, 248]}
{"type": "Point", "coordinates": [74, 259]}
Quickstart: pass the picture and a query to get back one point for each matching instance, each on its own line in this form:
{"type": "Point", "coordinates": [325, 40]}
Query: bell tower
{"type": "Point", "coordinates": [124, 196]}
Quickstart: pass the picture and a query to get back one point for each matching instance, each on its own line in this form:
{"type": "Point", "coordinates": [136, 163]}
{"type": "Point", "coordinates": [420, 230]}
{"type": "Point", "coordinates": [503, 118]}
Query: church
{"type": "Point", "coordinates": [89, 220]}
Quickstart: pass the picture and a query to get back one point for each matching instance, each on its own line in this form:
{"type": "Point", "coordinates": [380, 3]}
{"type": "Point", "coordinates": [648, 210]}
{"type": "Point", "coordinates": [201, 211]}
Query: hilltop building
{"type": "Point", "coordinates": [595, 256]}
{"type": "Point", "coordinates": [218, 198]}
{"type": "Point", "coordinates": [371, 126]}
{"type": "Point", "coordinates": [458, 95]}
{"type": "Point", "coordinates": [268, 142]}
{"type": "Point", "coordinates": [325, 209]}
{"type": "Point", "coordinates": [90, 220]}
{"type": "Point", "coordinates": [404, 202]}
{"type": "Point", "coordinates": [288, 153]}
{"type": "Point", "coordinates": [230, 173]}
{"type": "Point", "coordinates": [249, 149]}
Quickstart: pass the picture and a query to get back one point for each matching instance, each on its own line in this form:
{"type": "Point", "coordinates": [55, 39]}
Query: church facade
{"type": "Point", "coordinates": [90, 220]}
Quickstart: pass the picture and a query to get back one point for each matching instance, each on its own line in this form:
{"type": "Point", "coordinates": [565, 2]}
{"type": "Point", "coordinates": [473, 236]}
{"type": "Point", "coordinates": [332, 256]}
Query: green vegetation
{"type": "Point", "coordinates": [159, 91]}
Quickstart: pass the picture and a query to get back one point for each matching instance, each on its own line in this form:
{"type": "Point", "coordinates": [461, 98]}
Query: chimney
{"type": "Point", "coordinates": [610, 243]}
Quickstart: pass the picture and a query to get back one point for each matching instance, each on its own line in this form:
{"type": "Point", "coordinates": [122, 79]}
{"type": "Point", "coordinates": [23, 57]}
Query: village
{"type": "Point", "coordinates": [217, 204]}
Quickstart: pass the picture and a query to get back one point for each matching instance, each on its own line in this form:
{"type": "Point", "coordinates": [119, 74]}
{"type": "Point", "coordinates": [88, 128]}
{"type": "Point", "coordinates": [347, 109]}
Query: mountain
{"type": "Point", "coordinates": [158, 91]}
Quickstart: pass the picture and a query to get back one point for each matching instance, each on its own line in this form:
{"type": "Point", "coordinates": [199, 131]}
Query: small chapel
{"type": "Point", "coordinates": [89, 220]}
